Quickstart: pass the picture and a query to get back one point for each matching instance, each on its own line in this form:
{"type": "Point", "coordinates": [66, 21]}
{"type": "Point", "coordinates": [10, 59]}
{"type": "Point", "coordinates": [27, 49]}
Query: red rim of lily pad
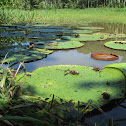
{"type": "Point", "coordinates": [105, 56]}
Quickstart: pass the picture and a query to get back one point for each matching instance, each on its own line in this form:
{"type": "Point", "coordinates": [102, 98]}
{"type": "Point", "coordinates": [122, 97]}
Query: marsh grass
{"type": "Point", "coordinates": [64, 16]}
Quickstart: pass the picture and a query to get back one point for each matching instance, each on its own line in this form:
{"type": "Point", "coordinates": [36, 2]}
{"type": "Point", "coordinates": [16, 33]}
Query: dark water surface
{"type": "Point", "coordinates": [82, 56]}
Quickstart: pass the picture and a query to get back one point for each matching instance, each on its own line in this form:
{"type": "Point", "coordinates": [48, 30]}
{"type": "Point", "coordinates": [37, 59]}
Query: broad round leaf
{"type": "Point", "coordinates": [91, 28]}
{"type": "Point", "coordinates": [58, 44]}
{"type": "Point", "coordinates": [118, 45]}
{"type": "Point", "coordinates": [83, 37]}
{"type": "Point", "coordinates": [18, 54]}
{"type": "Point", "coordinates": [87, 85]}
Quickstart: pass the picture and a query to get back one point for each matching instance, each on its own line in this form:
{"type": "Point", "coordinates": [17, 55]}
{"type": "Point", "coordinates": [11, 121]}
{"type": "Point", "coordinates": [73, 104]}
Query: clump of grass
{"type": "Point", "coordinates": [64, 16]}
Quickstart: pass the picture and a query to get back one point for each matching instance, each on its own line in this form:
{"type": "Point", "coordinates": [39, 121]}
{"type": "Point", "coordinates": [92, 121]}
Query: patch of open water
{"type": "Point", "coordinates": [82, 56]}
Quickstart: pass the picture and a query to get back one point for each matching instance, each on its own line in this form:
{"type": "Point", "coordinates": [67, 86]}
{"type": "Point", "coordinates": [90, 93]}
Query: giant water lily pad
{"type": "Point", "coordinates": [84, 85]}
{"type": "Point", "coordinates": [11, 34]}
{"type": "Point", "coordinates": [47, 30]}
{"type": "Point", "coordinates": [120, 66]}
{"type": "Point", "coordinates": [108, 35]}
{"type": "Point", "coordinates": [118, 45]}
{"type": "Point", "coordinates": [58, 44]}
{"type": "Point", "coordinates": [83, 37]}
{"type": "Point", "coordinates": [91, 28]}
{"type": "Point", "coordinates": [20, 54]}
{"type": "Point", "coordinates": [42, 36]}
{"type": "Point", "coordinates": [77, 31]}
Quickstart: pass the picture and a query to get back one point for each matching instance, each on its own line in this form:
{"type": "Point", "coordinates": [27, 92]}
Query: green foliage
{"type": "Point", "coordinates": [118, 45]}
{"type": "Point", "coordinates": [85, 86]}
{"type": "Point", "coordinates": [58, 4]}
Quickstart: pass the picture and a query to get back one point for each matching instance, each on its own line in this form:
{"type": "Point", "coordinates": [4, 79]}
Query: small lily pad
{"type": "Point", "coordinates": [83, 37]}
{"type": "Point", "coordinates": [58, 44]}
{"type": "Point", "coordinates": [118, 45]}
{"type": "Point", "coordinates": [87, 85]}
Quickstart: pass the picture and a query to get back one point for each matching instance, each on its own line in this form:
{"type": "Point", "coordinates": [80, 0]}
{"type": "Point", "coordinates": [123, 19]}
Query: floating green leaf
{"type": "Point", "coordinates": [11, 34]}
{"type": "Point", "coordinates": [108, 35]}
{"type": "Point", "coordinates": [91, 28]}
{"type": "Point", "coordinates": [120, 66]}
{"type": "Point", "coordinates": [58, 44]}
{"type": "Point", "coordinates": [83, 37]}
{"type": "Point", "coordinates": [77, 31]}
{"type": "Point", "coordinates": [21, 54]}
{"type": "Point", "coordinates": [118, 45]}
{"type": "Point", "coordinates": [47, 30]}
{"type": "Point", "coordinates": [87, 85]}
{"type": "Point", "coordinates": [43, 36]}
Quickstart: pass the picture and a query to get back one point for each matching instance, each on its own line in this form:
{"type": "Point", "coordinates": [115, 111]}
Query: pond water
{"type": "Point", "coordinates": [80, 56]}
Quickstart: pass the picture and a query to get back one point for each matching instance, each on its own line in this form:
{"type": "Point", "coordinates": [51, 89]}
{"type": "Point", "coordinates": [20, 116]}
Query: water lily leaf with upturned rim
{"type": "Point", "coordinates": [58, 44]}
{"type": "Point", "coordinates": [11, 34]}
{"type": "Point", "coordinates": [83, 37]}
{"type": "Point", "coordinates": [43, 36]}
{"type": "Point", "coordinates": [108, 35]}
{"type": "Point", "coordinates": [51, 30]}
{"type": "Point", "coordinates": [120, 66]}
{"type": "Point", "coordinates": [86, 86]}
{"type": "Point", "coordinates": [117, 45]}
{"type": "Point", "coordinates": [91, 28]}
{"type": "Point", "coordinates": [18, 54]}
{"type": "Point", "coordinates": [105, 56]}
{"type": "Point", "coordinates": [77, 31]}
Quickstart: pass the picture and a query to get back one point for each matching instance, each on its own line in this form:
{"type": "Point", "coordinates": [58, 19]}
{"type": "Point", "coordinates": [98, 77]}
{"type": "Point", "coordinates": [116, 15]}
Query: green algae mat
{"type": "Point", "coordinates": [118, 45]}
{"type": "Point", "coordinates": [58, 44]}
{"type": "Point", "coordinates": [83, 37]}
{"type": "Point", "coordinates": [76, 83]}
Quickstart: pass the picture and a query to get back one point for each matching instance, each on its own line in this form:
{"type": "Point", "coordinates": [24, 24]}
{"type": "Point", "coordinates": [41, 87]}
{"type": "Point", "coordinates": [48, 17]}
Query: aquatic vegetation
{"type": "Point", "coordinates": [87, 85]}
{"type": "Point", "coordinates": [120, 66]}
{"type": "Point", "coordinates": [11, 34]}
{"type": "Point", "coordinates": [47, 30]}
{"type": "Point", "coordinates": [43, 36]}
{"type": "Point", "coordinates": [58, 44]}
{"type": "Point", "coordinates": [22, 54]}
{"type": "Point", "coordinates": [83, 37]}
{"type": "Point", "coordinates": [118, 45]}
{"type": "Point", "coordinates": [105, 56]}
{"type": "Point", "coordinates": [91, 28]}
{"type": "Point", "coordinates": [109, 35]}
{"type": "Point", "coordinates": [77, 31]}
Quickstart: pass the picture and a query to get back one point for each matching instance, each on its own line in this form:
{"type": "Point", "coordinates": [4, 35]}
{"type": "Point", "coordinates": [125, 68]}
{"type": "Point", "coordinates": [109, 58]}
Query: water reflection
{"type": "Point", "coordinates": [72, 57]}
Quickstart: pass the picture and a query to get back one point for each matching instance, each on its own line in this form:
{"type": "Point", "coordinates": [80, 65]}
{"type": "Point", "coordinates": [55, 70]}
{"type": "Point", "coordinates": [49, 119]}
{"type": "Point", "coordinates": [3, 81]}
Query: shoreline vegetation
{"type": "Point", "coordinates": [62, 17]}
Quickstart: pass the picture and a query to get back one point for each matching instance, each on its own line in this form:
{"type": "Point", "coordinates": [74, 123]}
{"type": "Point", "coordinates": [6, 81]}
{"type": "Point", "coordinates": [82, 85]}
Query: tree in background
{"type": "Point", "coordinates": [57, 4]}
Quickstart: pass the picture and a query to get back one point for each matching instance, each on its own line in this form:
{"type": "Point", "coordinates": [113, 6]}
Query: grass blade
{"type": "Point", "coordinates": [5, 71]}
